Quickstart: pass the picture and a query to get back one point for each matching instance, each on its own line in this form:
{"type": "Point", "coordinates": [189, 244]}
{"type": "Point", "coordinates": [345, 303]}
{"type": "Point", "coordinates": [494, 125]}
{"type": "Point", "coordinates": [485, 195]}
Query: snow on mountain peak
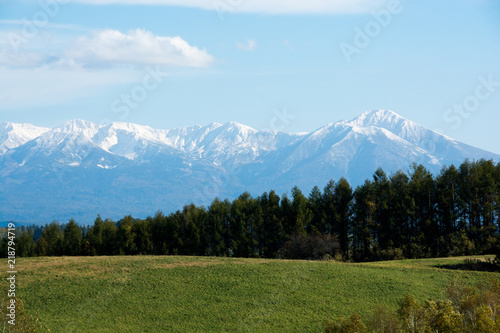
{"type": "Point", "coordinates": [238, 128]}
{"type": "Point", "coordinates": [130, 127]}
{"type": "Point", "coordinates": [406, 129]}
{"type": "Point", "coordinates": [378, 118]}
{"type": "Point", "coordinates": [129, 140]}
{"type": "Point", "coordinates": [13, 135]}
{"type": "Point", "coordinates": [78, 126]}
{"type": "Point", "coordinates": [213, 125]}
{"type": "Point", "coordinates": [138, 131]}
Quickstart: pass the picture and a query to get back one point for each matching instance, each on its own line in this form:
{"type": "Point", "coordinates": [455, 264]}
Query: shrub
{"type": "Point", "coordinates": [383, 320]}
{"type": "Point", "coordinates": [309, 247]}
{"type": "Point", "coordinates": [390, 254]}
{"type": "Point", "coordinates": [468, 309]}
{"type": "Point", "coordinates": [353, 324]}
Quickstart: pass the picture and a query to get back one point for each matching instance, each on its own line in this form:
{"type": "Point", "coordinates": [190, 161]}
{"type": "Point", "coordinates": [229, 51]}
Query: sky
{"type": "Point", "coordinates": [291, 66]}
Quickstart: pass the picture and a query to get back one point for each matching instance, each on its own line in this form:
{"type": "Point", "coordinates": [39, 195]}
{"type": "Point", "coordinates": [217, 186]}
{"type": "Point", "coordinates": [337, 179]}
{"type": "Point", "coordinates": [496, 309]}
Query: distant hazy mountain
{"type": "Point", "coordinates": [80, 169]}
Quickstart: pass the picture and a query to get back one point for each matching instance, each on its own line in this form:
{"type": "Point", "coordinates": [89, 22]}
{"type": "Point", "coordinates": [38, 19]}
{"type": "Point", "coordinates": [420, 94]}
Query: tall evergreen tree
{"type": "Point", "coordinates": [487, 192]}
{"type": "Point", "coordinates": [25, 244]}
{"type": "Point", "coordinates": [423, 192]}
{"type": "Point", "coordinates": [126, 236]}
{"type": "Point", "coordinates": [272, 224]}
{"type": "Point", "coordinates": [72, 238]}
{"type": "Point", "coordinates": [329, 208]}
{"type": "Point", "coordinates": [469, 197]}
{"type": "Point", "coordinates": [364, 227]}
{"type": "Point", "coordinates": [143, 239]}
{"type": "Point", "coordinates": [301, 214]}
{"type": "Point", "coordinates": [173, 238]}
{"type": "Point", "coordinates": [94, 237]}
{"type": "Point", "coordinates": [447, 208]}
{"type": "Point", "coordinates": [401, 220]}
{"type": "Point", "coordinates": [192, 229]}
{"type": "Point", "coordinates": [42, 247]}
{"type": "Point", "coordinates": [53, 236]}
{"type": "Point", "coordinates": [342, 200]}
{"type": "Point", "coordinates": [497, 201]}
{"type": "Point", "coordinates": [109, 244]}
{"type": "Point", "coordinates": [315, 205]}
{"type": "Point", "coordinates": [217, 226]}
{"type": "Point", "coordinates": [242, 227]}
{"type": "Point", "coordinates": [383, 216]}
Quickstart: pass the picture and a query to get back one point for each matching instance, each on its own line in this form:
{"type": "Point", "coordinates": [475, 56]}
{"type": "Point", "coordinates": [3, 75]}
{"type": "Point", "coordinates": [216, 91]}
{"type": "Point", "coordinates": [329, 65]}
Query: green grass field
{"type": "Point", "coordinates": [205, 294]}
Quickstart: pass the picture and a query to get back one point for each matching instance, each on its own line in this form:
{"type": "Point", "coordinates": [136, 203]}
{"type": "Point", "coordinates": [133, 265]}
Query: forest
{"type": "Point", "coordinates": [412, 214]}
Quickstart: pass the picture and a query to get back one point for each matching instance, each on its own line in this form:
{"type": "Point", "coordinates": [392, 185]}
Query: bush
{"type": "Point", "coordinates": [390, 254]}
{"type": "Point", "coordinates": [468, 309]}
{"type": "Point", "coordinates": [353, 324]}
{"type": "Point", "coordinates": [475, 264]}
{"type": "Point", "coordinates": [309, 247]}
{"type": "Point", "coordinates": [383, 320]}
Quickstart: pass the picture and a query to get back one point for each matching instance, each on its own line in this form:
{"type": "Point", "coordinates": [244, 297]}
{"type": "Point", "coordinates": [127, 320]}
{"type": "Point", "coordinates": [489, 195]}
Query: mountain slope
{"type": "Point", "coordinates": [13, 135]}
{"type": "Point", "coordinates": [80, 169]}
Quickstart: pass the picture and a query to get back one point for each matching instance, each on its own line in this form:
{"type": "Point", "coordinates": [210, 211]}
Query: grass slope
{"type": "Point", "coordinates": [205, 294]}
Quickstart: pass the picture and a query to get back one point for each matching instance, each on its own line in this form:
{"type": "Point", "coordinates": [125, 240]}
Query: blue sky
{"type": "Point", "coordinates": [286, 65]}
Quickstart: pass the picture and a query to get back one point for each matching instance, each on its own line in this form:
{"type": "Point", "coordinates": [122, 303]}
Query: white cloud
{"type": "Point", "coordinates": [137, 47]}
{"type": "Point", "coordinates": [34, 75]}
{"type": "Point", "coordinates": [12, 59]}
{"type": "Point", "coordinates": [260, 6]}
{"type": "Point", "coordinates": [249, 45]}
{"type": "Point", "coordinates": [101, 49]}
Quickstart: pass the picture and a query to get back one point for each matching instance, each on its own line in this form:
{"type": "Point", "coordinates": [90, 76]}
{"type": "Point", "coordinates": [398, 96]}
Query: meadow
{"type": "Point", "coordinates": [209, 294]}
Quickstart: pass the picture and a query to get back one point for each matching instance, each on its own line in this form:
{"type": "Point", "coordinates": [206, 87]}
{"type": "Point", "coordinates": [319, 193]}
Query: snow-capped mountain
{"type": "Point", "coordinates": [13, 135]}
{"type": "Point", "coordinates": [80, 169]}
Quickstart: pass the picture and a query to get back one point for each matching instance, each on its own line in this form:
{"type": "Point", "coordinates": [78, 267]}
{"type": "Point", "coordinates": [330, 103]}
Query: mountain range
{"type": "Point", "coordinates": [80, 169]}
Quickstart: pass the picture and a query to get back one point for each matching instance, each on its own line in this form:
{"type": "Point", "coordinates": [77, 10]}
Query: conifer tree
{"type": "Point", "coordinates": [383, 218]}
{"type": "Point", "coordinates": [272, 224]}
{"type": "Point", "coordinates": [447, 208]}
{"type": "Point", "coordinates": [216, 227]}
{"type": "Point", "coordinates": [302, 215]}
{"type": "Point", "coordinates": [109, 244]}
{"type": "Point", "coordinates": [342, 200]}
{"type": "Point", "coordinates": [401, 219]}
{"type": "Point", "coordinates": [53, 236]}
{"type": "Point", "coordinates": [72, 238]}
{"type": "Point", "coordinates": [425, 223]}
{"type": "Point", "coordinates": [142, 232]}
{"type": "Point", "coordinates": [94, 236]}
{"type": "Point", "coordinates": [25, 244]}
{"type": "Point", "coordinates": [315, 205]}
{"type": "Point", "coordinates": [126, 236]}
{"type": "Point", "coordinates": [329, 208]}
{"type": "Point", "coordinates": [364, 227]}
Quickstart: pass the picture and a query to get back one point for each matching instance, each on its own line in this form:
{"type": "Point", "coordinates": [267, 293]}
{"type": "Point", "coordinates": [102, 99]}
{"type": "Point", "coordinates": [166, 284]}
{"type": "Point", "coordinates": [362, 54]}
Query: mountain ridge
{"type": "Point", "coordinates": [80, 169]}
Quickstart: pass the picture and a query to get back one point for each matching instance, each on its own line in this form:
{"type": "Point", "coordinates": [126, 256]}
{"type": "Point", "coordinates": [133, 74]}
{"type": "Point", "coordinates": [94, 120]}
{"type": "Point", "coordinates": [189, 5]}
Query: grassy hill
{"type": "Point", "coordinates": [206, 294]}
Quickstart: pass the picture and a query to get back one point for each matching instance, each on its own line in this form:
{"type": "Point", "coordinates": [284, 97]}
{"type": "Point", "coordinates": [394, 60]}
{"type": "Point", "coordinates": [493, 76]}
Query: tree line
{"type": "Point", "coordinates": [402, 215]}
